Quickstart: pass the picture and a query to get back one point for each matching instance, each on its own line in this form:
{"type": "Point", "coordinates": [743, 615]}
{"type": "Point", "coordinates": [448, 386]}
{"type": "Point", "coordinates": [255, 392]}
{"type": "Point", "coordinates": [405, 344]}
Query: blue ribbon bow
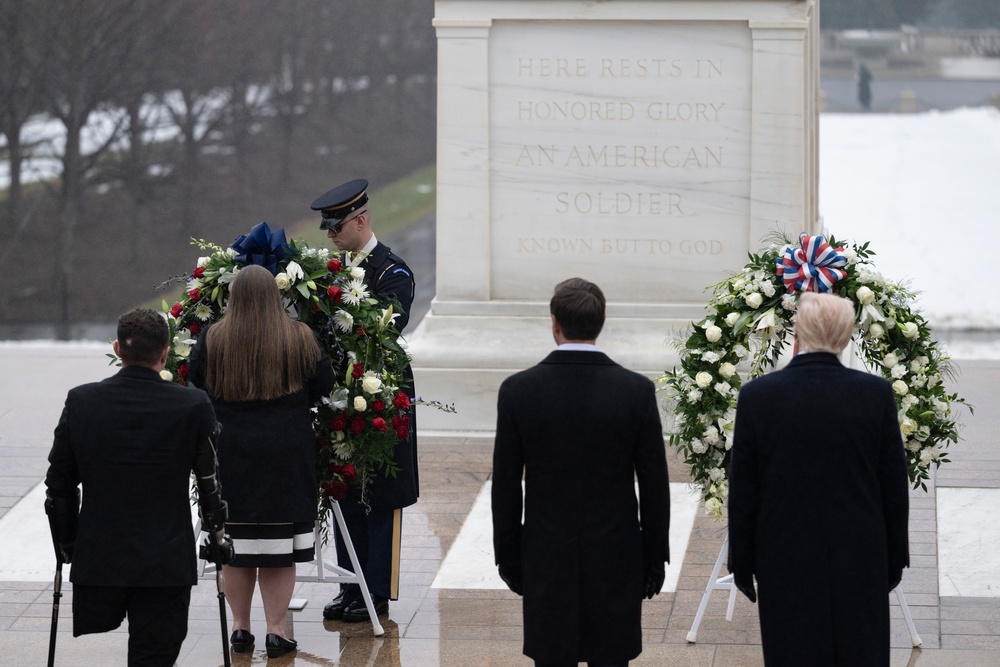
{"type": "Point", "coordinates": [263, 248]}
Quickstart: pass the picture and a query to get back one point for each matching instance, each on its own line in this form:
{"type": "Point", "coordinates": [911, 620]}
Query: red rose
{"type": "Point", "coordinates": [176, 310]}
{"type": "Point", "coordinates": [334, 293]}
{"type": "Point", "coordinates": [334, 265]}
{"type": "Point", "coordinates": [182, 370]}
{"type": "Point", "coordinates": [358, 425]}
{"type": "Point", "coordinates": [195, 294]}
{"type": "Point", "coordinates": [402, 401]}
{"type": "Point", "coordinates": [338, 423]}
{"type": "Point", "coordinates": [334, 467]}
{"type": "Point", "coordinates": [349, 472]}
{"type": "Point", "coordinates": [357, 371]}
{"type": "Point", "coordinates": [378, 406]}
{"type": "Point", "coordinates": [335, 490]}
{"type": "Point", "coordinates": [380, 424]}
{"type": "Point", "coordinates": [198, 272]}
{"type": "Point", "coordinates": [313, 306]}
{"type": "Point", "coordinates": [194, 328]}
{"type": "Point", "coordinates": [402, 433]}
{"type": "Point", "coordinates": [361, 332]}
{"type": "Point", "coordinates": [405, 419]}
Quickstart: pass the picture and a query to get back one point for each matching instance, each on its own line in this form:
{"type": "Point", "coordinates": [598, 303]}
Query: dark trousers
{"type": "Point", "coordinates": [372, 536]}
{"type": "Point", "coordinates": [157, 618]}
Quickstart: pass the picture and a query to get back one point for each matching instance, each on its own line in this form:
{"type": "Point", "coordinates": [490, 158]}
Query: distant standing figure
{"type": "Point", "coordinates": [580, 430]}
{"type": "Point", "coordinates": [818, 500]}
{"type": "Point", "coordinates": [865, 87]}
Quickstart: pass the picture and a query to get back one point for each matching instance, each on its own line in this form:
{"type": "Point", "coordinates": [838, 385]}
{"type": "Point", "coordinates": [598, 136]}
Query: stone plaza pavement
{"type": "Point", "coordinates": [432, 626]}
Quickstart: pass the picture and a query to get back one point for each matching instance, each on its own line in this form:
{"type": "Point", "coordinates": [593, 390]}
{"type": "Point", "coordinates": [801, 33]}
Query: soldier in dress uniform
{"type": "Point", "coordinates": [346, 217]}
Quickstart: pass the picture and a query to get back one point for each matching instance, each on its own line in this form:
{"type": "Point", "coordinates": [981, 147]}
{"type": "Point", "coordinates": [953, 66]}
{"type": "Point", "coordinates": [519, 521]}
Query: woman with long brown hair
{"type": "Point", "coordinates": [264, 372]}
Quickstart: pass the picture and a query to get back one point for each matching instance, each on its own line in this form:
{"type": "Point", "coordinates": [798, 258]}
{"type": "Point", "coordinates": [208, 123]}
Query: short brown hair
{"type": "Point", "coordinates": [823, 322]}
{"type": "Point", "coordinates": [578, 306]}
{"type": "Point", "coordinates": [142, 337]}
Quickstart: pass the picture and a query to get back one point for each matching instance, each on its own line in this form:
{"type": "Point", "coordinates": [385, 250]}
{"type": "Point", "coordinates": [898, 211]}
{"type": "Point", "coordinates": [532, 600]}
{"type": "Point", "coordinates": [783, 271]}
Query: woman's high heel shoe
{"type": "Point", "coordinates": [278, 645]}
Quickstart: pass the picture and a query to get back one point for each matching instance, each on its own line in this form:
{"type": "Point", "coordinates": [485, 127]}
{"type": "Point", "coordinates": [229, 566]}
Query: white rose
{"type": "Point", "coordinates": [913, 445]}
{"type": "Point", "coordinates": [754, 299]}
{"type": "Point", "coordinates": [907, 427]}
{"type": "Point", "coordinates": [713, 506]}
{"type": "Point", "coordinates": [360, 404]}
{"type": "Point", "coordinates": [703, 379]}
{"type": "Point", "coordinates": [898, 371]}
{"type": "Point", "coordinates": [357, 273]}
{"type": "Point", "coordinates": [166, 375]}
{"type": "Point", "coordinates": [713, 334]}
{"type": "Point", "coordinates": [890, 360]}
{"type": "Point", "coordinates": [876, 331]}
{"type": "Point", "coordinates": [900, 387]}
{"type": "Point", "coordinates": [909, 329]}
{"type": "Point", "coordinates": [726, 370]}
{"type": "Point", "coordinates": [371, 384]}
{"type": "Point", "coordinates": [865, 295]}
{"type": "Point", "coordinates": [284, 282]}
{"type": "Point", "coordinates": [731, 318]}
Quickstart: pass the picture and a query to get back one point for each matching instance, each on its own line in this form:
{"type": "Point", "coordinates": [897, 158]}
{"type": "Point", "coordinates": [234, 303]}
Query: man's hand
{"type": "Point", "coordinates": [895, 576]}
{"type": "Point", "coordinates": [655, 574]}
{"type": "Point", "coordinates": [744, 584]}
{"type": "Point", "coordinates": [66, 551]}
{"type": "Point", "coordinates": [512, 577]}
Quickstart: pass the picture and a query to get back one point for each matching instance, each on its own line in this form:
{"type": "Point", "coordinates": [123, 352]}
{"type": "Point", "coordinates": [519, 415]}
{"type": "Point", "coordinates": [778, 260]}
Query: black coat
{"type": "Point", "coordinates": [267, 450]}
{"type": "Point", "coordinates": [818, 510]}
{"type": "Point", "coordinates": [582, 429]}
{"type": "Point", "coordinates": [132, 441]}
{"type": "Point", "coordinates": [389, 276]}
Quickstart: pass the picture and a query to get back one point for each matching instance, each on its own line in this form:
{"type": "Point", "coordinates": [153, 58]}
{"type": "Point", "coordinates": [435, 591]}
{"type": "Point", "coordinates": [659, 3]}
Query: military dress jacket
{"type": "Point", "coordinates": [387, 274]}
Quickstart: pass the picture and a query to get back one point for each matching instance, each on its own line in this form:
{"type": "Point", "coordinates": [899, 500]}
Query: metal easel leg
{"type": "Point", "coordinates": [914, 637]}
{"type": "Point", "coordinates": [713, 584]}
{"type": "Point", "coordinates": [358, 575]}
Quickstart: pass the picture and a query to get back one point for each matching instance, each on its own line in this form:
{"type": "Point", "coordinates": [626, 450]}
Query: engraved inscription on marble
{"type": "Point", "coordinates": [624, 141]}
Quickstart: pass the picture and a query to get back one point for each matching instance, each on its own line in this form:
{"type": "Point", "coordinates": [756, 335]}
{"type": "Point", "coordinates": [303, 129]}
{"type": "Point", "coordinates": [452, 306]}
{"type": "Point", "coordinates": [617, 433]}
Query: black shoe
{"type": "Point", "coordinates": [358, 612]}
{"type": "Point", "coordinates": [278, 646]}
{"type": "Point", "coordinates": [241, 640]}
{"type": "Point", "coordinates": [335, 609]}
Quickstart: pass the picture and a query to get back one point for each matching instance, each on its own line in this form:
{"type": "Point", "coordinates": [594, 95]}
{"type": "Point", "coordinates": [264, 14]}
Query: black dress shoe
{"type": "Point", "coordinates": [358, 612]}
{"type": "Point", "coordinates": [241, 640]}
{"type": "Point", "coordinates": [278, 645]}
{"type": "Point", "coordinates": [335, 609]}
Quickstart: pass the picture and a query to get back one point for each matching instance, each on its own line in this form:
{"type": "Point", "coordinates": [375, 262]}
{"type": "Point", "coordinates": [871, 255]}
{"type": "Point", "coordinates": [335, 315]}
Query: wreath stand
{"type": "Point", "coordinates": [715, 583]}
{"type": "Point", "coordinates": [340, 575]}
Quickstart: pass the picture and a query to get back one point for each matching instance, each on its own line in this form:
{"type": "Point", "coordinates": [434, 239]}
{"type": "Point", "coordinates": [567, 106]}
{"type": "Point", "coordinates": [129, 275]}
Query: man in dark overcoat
{"type": "Point", "coordinates": [818, 500]}
{"type": "Point", "coordinates": [376, 533]}
{"type": "Point", "coordinates": [132, 441]}
{"type": "Point", "coordinates": [580, 430]}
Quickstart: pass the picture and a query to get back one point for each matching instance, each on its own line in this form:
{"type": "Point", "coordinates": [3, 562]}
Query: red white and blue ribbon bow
{"type": "Point", "coordinates": [811, 267]}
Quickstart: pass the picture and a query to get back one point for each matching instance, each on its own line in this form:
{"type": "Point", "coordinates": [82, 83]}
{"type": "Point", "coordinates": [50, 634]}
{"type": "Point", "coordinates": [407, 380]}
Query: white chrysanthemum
{"type": "Point", "coordinates": [343, 320]}
{"type": "Point", "coordinates": [355, 293]}
{"type": "Point", "coordinates": [698, 447]}
{"type": "Point", "coordinates": [343, 450]}
{"type": "Point", "coordinates": [194, 283]}
{"type": "Point", "coordinates": [203, 313]}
